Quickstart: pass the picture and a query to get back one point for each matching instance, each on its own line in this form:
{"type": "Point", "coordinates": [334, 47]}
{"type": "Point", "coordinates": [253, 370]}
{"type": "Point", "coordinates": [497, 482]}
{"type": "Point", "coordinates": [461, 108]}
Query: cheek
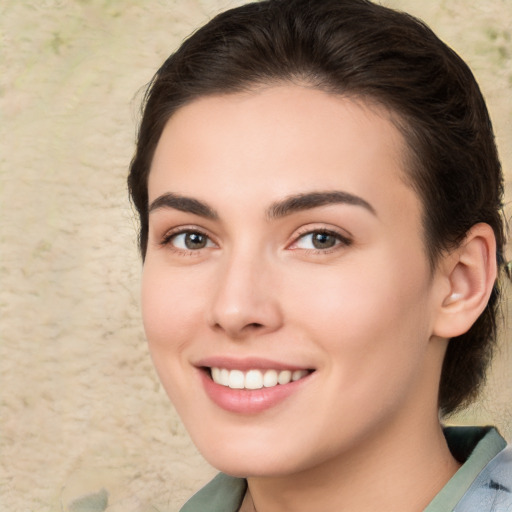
{"type": "Point", "coordinates": [169, 313]}
{"type": "Point", "coordinates": [365, 311]}
{"type": "Point", "coordinates": [170, 307]}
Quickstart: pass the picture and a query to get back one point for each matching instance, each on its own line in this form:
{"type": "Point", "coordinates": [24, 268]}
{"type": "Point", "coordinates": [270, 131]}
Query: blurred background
{"type": "Point", "coordinates": [82, 412]}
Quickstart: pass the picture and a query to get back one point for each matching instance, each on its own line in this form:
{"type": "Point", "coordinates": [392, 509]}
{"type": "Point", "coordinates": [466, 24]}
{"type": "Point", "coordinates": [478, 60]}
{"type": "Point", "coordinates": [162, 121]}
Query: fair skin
{"type": "Point", "coordinates": [336, 288]}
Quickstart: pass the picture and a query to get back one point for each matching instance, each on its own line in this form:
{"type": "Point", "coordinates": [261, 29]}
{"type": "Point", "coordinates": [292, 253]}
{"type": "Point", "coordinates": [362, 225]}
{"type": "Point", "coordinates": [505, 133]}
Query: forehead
{"type": "Point", "coordinates": [277, 141]}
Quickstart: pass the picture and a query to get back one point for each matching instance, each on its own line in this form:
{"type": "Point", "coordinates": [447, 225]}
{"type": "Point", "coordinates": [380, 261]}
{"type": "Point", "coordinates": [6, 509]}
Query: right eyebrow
{"type": "Point", "coordinates": [183, 204]}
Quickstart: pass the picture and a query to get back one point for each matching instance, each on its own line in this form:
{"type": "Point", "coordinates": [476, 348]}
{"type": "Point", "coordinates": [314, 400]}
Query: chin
{"type": "Point", "coordinates": [265, 458]}
{"type": "Point", "coordinates": [237, 462]}
{"type": "Point", "coordinates": [261, 466]}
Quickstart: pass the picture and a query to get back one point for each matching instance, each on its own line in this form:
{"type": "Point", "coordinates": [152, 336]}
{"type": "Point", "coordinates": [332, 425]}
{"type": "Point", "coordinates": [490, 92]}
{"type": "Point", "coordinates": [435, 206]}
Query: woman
{"type": "Point", "coordinates": [320, 202]}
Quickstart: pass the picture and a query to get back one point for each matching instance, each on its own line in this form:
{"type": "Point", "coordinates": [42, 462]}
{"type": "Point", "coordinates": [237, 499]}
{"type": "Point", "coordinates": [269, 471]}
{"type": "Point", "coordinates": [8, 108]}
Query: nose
{"type": "Point", "coordinates": [245, 300]}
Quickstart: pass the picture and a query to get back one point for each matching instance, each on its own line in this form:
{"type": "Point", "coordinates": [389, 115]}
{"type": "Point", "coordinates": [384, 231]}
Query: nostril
{"type": "Point", "coordinates": [255, 325]}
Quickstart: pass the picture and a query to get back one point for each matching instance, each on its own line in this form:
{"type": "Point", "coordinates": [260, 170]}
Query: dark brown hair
{"type": "Point", "coordinates": [361, 50]}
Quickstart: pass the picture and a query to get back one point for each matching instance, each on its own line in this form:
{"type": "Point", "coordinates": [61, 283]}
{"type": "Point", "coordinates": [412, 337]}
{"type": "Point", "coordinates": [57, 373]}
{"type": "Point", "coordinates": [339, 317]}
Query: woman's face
{"type": "Point", "coordinates": [287, 297]}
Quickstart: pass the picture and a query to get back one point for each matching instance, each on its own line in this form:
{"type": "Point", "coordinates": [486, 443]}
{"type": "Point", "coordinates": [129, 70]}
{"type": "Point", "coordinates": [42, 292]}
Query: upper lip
{"type": "Point", "coordinates": [248, 363]}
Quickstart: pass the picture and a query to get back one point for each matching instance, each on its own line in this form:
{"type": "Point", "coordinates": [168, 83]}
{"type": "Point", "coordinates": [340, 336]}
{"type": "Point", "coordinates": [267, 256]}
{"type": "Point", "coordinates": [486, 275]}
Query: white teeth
{"type": "Point", "coordinates": [298, 374]}
{"type": "Point", "coordinates": [284, 377]}
{"type": "Point", "coordinates": [255, 379]}
{"type": "Point", "coordinates": [270, 379]}
{"type": "Point", "coordinates": [224, 377]}
{"type": "Point", "coordinates": [236, 379]}
{"type": "Point", "coordinates": [216, 374]}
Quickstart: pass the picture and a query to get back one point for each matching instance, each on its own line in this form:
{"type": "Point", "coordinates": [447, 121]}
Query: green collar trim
{"type": "Point", "coordinates": [223, 494]}
{"type": "Point", "coordinates": [477, 446]}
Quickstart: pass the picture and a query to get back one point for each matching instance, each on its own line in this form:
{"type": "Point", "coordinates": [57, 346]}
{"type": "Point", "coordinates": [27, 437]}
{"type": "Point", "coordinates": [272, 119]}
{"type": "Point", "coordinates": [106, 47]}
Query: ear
{"type": "Point", "coordinates": [468, 274]}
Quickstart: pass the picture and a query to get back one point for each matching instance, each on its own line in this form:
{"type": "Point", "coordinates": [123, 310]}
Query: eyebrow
{"type": "Point", "coordinates": [279, 209]}
{"type": "Point", "coordinates": [310, 200]}
{"type": "Point", "coordinates": [183, 204]}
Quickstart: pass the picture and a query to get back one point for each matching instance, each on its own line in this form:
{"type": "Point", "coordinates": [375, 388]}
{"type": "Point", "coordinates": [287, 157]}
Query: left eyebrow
{"type": "Point", "coordinates": [310, 200]}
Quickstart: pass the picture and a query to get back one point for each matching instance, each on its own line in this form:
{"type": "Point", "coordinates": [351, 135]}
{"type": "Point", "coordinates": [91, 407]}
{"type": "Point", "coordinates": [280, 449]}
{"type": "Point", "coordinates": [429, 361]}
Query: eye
{"type": "Point", "coordinates": [320, 240]}
{"type": "Point", "coordinates": [189, 241]}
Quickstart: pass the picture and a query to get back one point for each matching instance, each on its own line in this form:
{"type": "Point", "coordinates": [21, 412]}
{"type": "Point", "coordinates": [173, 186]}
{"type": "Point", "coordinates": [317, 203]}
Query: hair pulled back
{"type": "Point", "coordinates": [362, 50]}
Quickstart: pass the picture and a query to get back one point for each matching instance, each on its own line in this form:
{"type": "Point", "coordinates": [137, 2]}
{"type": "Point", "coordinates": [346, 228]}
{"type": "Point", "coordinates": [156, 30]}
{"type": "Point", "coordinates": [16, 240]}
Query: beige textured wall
{"type": "Point", "coordinates": [81, 408]}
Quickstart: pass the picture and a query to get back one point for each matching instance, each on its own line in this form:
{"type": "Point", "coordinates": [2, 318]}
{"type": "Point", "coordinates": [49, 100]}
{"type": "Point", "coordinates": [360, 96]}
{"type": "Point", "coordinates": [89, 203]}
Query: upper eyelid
{"type": "Point", "coordinates": [344, 238]}
{"type": "Point", "coordinates": [312, 228]}
{"type": "Point", "coordinates": [185, 228]}
{"type": "Point", "coordinates": [340, 238]}
{"type": "Point", "coordinates": [179, 230]}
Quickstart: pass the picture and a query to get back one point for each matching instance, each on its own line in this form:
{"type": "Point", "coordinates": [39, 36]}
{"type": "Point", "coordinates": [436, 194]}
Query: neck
{"type": "Point", "coordinates": [400, 472]}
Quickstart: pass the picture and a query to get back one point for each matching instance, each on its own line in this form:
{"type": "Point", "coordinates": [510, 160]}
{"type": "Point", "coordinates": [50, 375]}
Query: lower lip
{"type": "Point", "coordinates": [245, 401]}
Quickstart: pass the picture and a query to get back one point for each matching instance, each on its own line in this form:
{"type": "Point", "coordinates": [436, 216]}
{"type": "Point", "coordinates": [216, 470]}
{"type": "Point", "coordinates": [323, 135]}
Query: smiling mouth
{"type": "Point", "coordinates": [255, 379]}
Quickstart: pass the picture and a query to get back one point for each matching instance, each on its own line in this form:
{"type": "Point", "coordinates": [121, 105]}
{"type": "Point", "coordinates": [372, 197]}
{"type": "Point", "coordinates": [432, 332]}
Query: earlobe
{"type": "Point", "coordinates": [470, 271]}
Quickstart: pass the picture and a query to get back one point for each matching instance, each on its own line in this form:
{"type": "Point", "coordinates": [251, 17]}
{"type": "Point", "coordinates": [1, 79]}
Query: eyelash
{"type": "Point", "coordinates": [342, 240]}
{"type": "Point", "coordinates": [170, 235]}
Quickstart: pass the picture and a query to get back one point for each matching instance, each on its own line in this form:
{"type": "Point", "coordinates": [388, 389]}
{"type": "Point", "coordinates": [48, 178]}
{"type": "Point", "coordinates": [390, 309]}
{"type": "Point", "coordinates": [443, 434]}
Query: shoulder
{"type": "Point", "coordinates": [223, 494]}
{"type": "Point", "coordinates": [492, 489]}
